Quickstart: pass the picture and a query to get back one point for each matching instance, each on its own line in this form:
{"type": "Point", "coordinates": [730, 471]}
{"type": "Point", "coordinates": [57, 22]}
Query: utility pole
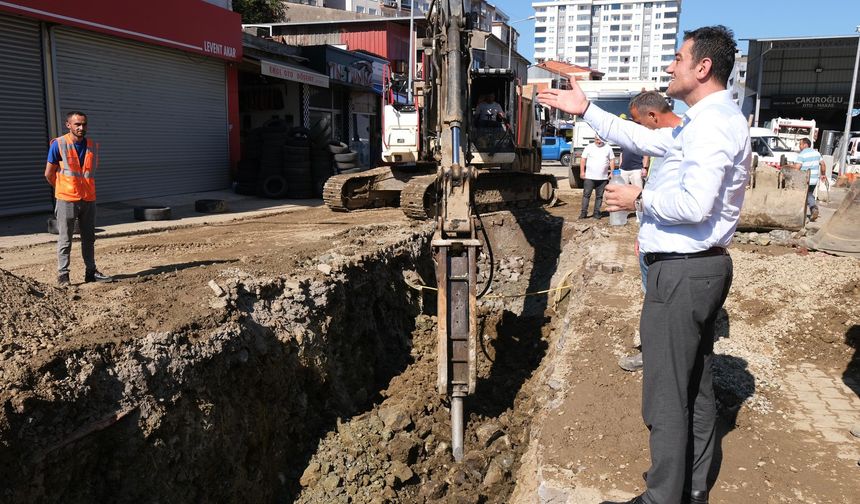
{"type": "Point", "coordinates": [843, 153]}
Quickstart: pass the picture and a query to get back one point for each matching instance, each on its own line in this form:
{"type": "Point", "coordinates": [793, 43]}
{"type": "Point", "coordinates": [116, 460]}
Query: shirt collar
{"type": "Point", "coordinates": [715, 97]}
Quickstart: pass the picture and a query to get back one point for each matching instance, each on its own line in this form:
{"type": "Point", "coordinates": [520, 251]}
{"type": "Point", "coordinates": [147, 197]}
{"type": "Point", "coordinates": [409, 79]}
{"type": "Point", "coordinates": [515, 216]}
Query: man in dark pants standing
{"type": "Point", "coordinates": [71, 167]}
{"type": "Point", "coordinates": [689, 212]}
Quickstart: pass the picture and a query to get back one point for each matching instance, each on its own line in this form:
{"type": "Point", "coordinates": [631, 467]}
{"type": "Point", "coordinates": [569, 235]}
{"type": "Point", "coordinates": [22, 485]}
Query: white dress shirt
{"type": "Point", "coordinates": [693, 202]}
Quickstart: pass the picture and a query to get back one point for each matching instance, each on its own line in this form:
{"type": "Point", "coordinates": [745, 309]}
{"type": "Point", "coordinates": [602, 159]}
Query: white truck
{"type": "Point", "coordinates": [792, 130]}
{"type": "Point", "coordinates": [611, 96]}
{"type": "Point", "coordinates": [770, 148]}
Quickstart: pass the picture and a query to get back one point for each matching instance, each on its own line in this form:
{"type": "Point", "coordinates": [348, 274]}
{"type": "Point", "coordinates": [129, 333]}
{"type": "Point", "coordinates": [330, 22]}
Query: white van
{"type": "Point", "coordinates": [770, 148]}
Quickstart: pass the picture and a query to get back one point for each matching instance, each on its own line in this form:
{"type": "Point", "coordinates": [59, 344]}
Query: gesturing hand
{"type": "Point", "coordinates": [572, 101]}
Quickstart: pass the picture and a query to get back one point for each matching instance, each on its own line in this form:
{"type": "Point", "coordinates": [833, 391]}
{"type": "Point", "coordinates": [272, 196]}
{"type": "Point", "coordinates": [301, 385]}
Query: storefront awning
{"type": "Point", "coordinates": [291, 73]}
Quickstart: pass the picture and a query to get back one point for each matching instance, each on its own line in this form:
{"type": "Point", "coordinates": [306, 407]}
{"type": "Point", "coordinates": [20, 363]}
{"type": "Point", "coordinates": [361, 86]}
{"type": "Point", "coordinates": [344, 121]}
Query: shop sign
{"type": "Point", "coordinates": [192, 26]}
{"type": "Point", "coordinates": [357, 73]}
{"type": "Point", "coordinates": [810, 102]}
{"type": "Point", "coordinates": [290, 73]}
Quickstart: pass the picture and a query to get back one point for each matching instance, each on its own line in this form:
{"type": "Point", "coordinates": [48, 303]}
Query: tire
{"type": "Point", "coordinates": [346, 166]}
{"type": "Point", "coordinates": [573, 178]}
{"type": "Point", "coordinates": [273, 186]}
{"type": "Point", "coordinates": [338, 147]}
{"type": "Point", "coordinates": [53, 229]}
{"type": "Point", "coordinates": [152, 213]}
{"type": "Point", "coordinates": [210, 206]}
{"type": "Point", "coordinates": [346, 157]}
{"type": "Point", "coordinates": [565, 159]}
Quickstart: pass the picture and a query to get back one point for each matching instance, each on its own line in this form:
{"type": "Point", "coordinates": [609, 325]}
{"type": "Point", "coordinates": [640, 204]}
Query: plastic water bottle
{"type": "Point", "coordinates": [618, 218]}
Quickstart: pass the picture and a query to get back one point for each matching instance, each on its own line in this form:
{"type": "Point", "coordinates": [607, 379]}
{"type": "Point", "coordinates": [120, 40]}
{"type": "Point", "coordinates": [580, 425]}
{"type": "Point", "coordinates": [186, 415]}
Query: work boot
{"type": "Point", "coordinates": [631, 362]}
{"type": "Point", "coordinates": [97, 276]}
{"type": "Point", "coordinates": [63, 280]}
{"type": "Point", "coordinates": [814, 216]}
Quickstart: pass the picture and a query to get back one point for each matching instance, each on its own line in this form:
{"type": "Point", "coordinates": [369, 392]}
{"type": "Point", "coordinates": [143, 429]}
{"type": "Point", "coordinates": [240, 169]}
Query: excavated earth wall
{"type": "Point", "coordinates": [315, 386]}
{"type": "Point", "coordinates": [228, 413]}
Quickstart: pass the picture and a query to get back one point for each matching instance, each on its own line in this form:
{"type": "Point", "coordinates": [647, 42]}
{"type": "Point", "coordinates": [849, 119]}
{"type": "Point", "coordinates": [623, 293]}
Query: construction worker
{"type": "Point", "coordinates": [71, 166]}
{"type": "Point", "coordinates": [810, 160]}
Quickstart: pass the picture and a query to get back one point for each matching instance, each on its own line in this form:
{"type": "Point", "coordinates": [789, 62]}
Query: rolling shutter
{"type": "Point", "coordinates": [159, 115]}
{"type": "Point", "coordinates": [23, 130]}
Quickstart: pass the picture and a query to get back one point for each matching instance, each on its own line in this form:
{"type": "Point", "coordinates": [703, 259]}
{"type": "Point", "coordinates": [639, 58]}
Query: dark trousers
{"type": "Point", "coordinates": [66, 212]}
{"type": "Point", "coordinates": [589, 185]}
{"type": "Point", "coordinates": [682, 300]}
{"type": "Point", "coordinates": [810, 198]}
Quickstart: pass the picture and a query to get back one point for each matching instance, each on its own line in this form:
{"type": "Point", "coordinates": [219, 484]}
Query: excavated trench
{"type": "Point", "coordinates": [313, 386]}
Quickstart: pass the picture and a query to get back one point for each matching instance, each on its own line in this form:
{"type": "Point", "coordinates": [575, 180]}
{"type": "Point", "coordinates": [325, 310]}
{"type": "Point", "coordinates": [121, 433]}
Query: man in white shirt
{"type": "Point", "coordinates": [689, 210]}
{"type": "Point", "coordinates": [597, 162]}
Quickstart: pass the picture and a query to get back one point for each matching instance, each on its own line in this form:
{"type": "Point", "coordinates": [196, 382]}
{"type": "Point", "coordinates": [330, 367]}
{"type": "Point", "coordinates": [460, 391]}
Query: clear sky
{"type": "Point", "coordinates": [748, 18]}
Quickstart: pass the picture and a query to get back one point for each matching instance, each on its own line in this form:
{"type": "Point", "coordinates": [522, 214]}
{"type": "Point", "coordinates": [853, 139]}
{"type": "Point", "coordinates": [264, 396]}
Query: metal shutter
{"type": "Point", "coordinates": [159, 115]}
{"type": "Point", "coordinates": [23, 130]}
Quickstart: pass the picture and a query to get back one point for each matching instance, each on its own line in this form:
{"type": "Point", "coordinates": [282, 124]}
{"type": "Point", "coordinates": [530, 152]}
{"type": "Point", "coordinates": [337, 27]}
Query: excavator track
{"type": "Point", "coordinates": [493, 191]}
{"type": "Point", "coordinates": [352, 191]}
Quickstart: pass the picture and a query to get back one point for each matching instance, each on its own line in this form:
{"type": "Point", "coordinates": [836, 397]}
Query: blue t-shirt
{"type": "Point", "coordinates": [54, 156]}
{"type": "Point", "coordinates": [810, 160]}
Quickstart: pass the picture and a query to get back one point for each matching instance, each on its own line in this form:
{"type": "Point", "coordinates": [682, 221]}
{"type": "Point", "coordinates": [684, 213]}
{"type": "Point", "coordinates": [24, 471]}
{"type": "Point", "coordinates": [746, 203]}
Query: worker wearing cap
{"type": "Point", "coordinates": [72, 162]}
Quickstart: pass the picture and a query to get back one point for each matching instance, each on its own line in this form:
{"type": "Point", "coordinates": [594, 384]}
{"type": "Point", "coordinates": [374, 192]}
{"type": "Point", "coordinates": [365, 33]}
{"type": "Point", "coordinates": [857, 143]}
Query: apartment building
{"type": "Point", "coordinates": [487, 13]}
{"type": "Point", "coordinates": [624, 39]}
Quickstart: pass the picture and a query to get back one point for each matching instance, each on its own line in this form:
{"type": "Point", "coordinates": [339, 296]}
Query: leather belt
{"type": "Point", "coordinates": [652, 257]}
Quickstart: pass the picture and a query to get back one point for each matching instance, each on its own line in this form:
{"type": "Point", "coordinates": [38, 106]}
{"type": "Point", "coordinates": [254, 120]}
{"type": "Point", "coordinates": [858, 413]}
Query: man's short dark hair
{"type": "Point", "coordinates": [806, 142]}
{"type": "Point", "coordinates": [649, 100]}
{"type": "Point", "coordinates": [716, 43]}
{"type": "Point", "coordinates": [74, 113]}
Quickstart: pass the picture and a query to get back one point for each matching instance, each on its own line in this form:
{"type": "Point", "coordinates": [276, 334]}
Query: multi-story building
{"type": "Point", "coordinates": [624, 39]}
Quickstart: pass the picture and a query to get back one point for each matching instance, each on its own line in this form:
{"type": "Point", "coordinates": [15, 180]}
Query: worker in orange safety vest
{"type": "Point", "coordinates": [72, 162]}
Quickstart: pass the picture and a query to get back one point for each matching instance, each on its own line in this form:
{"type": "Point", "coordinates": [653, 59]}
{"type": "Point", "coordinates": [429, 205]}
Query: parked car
{"type": "Point", "coordinates": [555, 148]}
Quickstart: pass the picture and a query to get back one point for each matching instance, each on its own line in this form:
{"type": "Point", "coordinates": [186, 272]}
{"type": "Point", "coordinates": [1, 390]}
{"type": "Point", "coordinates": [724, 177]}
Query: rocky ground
{"type": "Point", "coordinates": [290, 358]}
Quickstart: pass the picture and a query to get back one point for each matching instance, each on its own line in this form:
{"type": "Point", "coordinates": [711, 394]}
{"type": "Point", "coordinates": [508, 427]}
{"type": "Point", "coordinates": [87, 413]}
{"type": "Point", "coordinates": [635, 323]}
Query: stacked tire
{"type": "Point", "coordinates": [272, 182]}
{"type": "Point", "coordinates": [321, 169]}
{"type": "Point", "coordinates": [346, 160]}
{"type": "Point", "coordinates": [297, 164]}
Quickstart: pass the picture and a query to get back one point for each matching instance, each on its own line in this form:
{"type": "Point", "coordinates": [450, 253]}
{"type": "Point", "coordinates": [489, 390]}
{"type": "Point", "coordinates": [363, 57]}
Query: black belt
{"type": "Point", "coordinates": [652, 257]}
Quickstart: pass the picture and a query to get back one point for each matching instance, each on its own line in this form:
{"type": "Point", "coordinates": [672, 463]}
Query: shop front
{"type": "Point", "coordinates": [349, 112]}
{"type": "Point", "coordinates": [159, 93]}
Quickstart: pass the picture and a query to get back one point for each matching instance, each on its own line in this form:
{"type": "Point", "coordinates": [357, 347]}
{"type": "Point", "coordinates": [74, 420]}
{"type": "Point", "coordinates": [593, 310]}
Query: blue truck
{"type": "Point", "coordinates": [556, 148]}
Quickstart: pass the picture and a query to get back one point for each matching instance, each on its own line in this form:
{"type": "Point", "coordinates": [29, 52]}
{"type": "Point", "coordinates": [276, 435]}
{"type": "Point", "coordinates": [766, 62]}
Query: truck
{"type": "Point", "coordinates": [556, 148]}
{"type": "Point", "coordinates": [611, 96]}
{"type": "Point", "coordinates": [770, 148]}
{"type": "Point", "coordinates": [790, 131]}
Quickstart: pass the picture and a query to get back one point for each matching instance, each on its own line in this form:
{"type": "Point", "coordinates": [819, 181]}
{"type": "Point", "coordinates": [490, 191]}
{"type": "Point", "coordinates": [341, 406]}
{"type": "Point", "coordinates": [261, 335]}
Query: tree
{"type": "Point", "coordinates": [260, 11]}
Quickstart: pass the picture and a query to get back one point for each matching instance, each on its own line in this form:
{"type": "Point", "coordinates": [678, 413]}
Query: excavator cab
{"type": "Point", "coordinates": [492, 95]}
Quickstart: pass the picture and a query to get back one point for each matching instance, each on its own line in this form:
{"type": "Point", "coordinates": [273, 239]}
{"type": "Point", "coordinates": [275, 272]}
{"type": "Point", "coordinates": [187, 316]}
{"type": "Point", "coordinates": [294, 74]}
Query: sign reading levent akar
{"type": "Point", "coordinates": [188, 25]}
{"type": "Point", "coordinates": [289, 73]}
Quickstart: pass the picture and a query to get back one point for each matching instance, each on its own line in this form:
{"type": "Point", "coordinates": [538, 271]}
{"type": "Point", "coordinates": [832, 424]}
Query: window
{"type": "Point", "coordinates": [540, 9]}
{"type": "Point", "coordinates": [583, 48]}
{"type": "Point", "coordinates": [571, 18]}
{"type": "Point", "coordinates": [670, 15]}
{"type": "Point", "coordinates": [658, 26]}
{"type": "Point", "coordinates": [540, 29]}
{"type": "Point", "coordinates": [604, 39]}
{"type": "Point", "coordinates": [584, 7]}
{"type": "Point", "coordinates": [582, 60]}
{"type": "Point", "coordinates": [625, 38]}
{"type": "Point", "coordinates": [582, 27]}
{"type": "Point", "coordinates": [594, 40]}
{"type": "Point", "coordinates": [549, 141]}
{"type": "Point", "coordinates": [627, 17]}
{"type": "Point", "coordinates": [613, 28]}
{"type": "Point", "coordinates": [635, 38]}
{"type": "Point", "coordinates": [606, 18]}
{"type": "Point", "coordinates": [616, 17]}
{"type": "Point", "coordinates": [359, 9]}
{"type": "Point", "coordinates": [624, 69]}
{"type": "Point", "coordinates": [668, 36]}
{"type": "Point", "coordinates": [613, 38]}
{"type": "Point", "coordinates": [582, 17]}
{"type": "Point", "coordinates": [582, 38]}
{"type": "Point", "coordinates": [659, 15]}
{"type": "Point", "coordinates": [613, 59]}
{"type": "Point", "coordinates": [615, 6]}
{"type": "Point", "coordinates": [625, 48]}
{"type": "Point", "coordinates": [372, 12]}
{"type": "Point", "coordinates": [637, 27]}
{"type": "Point", "coordinates": [540, 40]}
{"type": "Point", "coordinates": [570, 39]}
{"type": "Point", "coordinates": [613, 69]}
{"type": "Point", "coordinates": [667, 57]}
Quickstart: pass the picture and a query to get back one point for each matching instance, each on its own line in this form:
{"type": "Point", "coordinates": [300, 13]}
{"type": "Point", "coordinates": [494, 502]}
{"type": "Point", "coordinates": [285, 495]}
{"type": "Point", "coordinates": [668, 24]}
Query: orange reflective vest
{"type": "Point", "coordinates": [75, 182]}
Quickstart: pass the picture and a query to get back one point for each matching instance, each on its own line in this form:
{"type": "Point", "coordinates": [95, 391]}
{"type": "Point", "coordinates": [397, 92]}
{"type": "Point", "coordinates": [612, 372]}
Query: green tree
{"type": "Point", "coordinates": [260, 11]}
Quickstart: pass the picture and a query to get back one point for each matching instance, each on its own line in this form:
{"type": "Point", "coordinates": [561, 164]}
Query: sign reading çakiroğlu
{"type": "Point", "coordinates": [188, 25]}
{"type": "Point", "coordinates": [810, 101]}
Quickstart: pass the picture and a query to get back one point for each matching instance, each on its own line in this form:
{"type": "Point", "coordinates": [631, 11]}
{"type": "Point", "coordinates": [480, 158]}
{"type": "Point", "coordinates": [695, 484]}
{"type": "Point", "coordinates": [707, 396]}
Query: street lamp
{"type": "Point", "coordinates": [511, 35]}
{"type": "Point", "coordinates": [843, 154]}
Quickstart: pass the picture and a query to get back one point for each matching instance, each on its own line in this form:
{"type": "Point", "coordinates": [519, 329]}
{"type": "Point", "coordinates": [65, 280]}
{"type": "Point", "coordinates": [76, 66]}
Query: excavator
{"type": "Point", "coordinates": [448, 165]}
{"type": "Point", "coordinates": [501, 155]}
